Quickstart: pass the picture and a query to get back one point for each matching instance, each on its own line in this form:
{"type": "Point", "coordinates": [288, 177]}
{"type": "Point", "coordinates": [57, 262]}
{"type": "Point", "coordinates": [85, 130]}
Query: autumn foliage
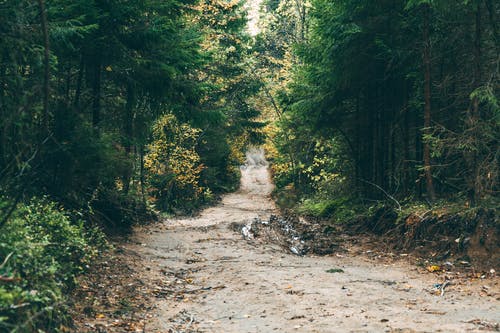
{"type": "Point", "coordinates": [173, 165]}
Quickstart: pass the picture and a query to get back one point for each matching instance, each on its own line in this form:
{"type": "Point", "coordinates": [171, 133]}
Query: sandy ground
{"type": "Point", "coordinates": [213, 280]}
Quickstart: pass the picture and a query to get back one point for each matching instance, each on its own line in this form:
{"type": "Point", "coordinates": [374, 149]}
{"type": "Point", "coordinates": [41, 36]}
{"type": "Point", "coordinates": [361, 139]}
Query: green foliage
{"type": "Point", "coordinates": [88, 162]}
{"type": "Point", "coordinates": [115, 68]}
{"type": "Point", "coordinates": [107, 107]}
{"type": "Point", "coordinates": [42, 252]}
{"type": "Point", "coordinates": [116, 211]}
{"type": "Point", "coordinates": [339, 210]}
{"type": "Point", "coordinates": [174, 166]}
{"type": "Point", "coordinates": [355, 84]}
{"type": "Point", "coordinates": [228, 117]}
{"type": "Point", "coordinates": [318, 208]}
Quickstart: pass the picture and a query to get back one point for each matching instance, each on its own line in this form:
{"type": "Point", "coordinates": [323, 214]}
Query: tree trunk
{"type": "Point", "coordinates": [96, 104]}
{"type": "Point", "coordinates": [494, 23]}
{"type": "Point", "coordinates": [393, 146]}
{"type": "Point", "coordinates": [128, 119]}
{"type": "Point", "coordinates": [3, 117]}
{"type": "Point", "coordinates": [405, 133]}
{"type": "Point", "coordinates": [427, 106]}
{"type": "Point", "coordinates": [46, 63]}
{"type": "Point", "coordinates": [381, 145]}
{"type": "Point", "coordinates": [301, 12]}
{"type": "Point", "coordinates": [79, 80]}
{"type": "Point", "coordinates": [67, 88]}
{"type": "Point", "coordinates": [141, 174]}
{"type": "Point", "coordinates": [417, 135]}
{"type": "Point", "coordinates": [475, 193]}
{"type": "Point", "coordinates": [357, 147]}
{"type": "Point", "coordinates": [374, 150]}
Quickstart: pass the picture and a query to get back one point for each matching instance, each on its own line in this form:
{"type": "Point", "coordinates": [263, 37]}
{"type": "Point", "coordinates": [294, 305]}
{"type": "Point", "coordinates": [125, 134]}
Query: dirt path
{"type": "Point", "coordinates": [212, 280]}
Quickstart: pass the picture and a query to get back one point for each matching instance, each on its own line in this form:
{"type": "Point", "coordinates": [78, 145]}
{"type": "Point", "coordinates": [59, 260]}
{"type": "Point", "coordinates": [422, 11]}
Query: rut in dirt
{"type": "Point", "coordinates": [209, 278]}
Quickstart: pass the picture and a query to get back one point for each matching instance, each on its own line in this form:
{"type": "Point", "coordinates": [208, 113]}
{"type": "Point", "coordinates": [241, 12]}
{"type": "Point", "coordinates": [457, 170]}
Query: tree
{"type": "Point", "coordinates": [365, 77]}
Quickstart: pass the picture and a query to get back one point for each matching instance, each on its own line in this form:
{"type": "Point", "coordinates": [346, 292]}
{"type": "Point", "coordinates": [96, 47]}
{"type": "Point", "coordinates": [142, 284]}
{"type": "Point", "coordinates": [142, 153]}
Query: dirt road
{"type": "Point", "coordinates": [213, 280]}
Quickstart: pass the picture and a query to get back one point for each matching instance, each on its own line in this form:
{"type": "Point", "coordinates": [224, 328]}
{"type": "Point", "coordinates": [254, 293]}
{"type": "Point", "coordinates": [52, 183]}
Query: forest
{"type": "Point", "coordinates": [395, 99]}
{"type": "Point", "coordinates": [117, 113]}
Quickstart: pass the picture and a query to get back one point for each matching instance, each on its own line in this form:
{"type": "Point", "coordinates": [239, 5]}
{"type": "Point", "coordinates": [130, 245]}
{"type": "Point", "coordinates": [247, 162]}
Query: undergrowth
{"type": "Point", "coordinates": [342, 208]}
{"type": "Point", "coordinates": [336, 209]}
{"type": "Point", "coordinates": [42, 250]}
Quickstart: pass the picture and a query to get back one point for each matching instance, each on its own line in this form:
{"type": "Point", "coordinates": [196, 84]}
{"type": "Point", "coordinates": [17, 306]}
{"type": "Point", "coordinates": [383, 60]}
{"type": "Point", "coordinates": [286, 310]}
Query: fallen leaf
{"type": "Point", "coordinates": [433, 268]}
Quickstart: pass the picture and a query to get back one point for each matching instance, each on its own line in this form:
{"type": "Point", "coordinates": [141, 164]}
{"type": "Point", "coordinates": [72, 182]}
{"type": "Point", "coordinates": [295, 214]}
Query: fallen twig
{"type": "Point", "coordinates": [444, 286]}
{"type": "Point", "coordinates": [283, 266]}
{"type": "Point", "coordinates": [201, 289]}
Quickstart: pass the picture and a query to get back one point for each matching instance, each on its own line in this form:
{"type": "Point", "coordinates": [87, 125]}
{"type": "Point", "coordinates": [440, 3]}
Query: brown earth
{"type": "Point", "coordinates": [201, 275]}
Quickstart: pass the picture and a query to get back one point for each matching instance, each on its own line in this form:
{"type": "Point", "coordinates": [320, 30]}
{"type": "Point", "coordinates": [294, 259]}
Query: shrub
{"type": "Point", "coordinates": [117, 211]}
{"type": "Point", "coordinates": [41, 252]}
{"type": "Point", "coordinates": [173, 165]}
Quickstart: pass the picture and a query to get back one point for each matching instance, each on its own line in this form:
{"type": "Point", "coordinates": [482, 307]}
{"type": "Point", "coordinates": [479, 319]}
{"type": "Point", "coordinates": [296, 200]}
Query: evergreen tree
{"type": "Point", "coordinates": [387, 83]}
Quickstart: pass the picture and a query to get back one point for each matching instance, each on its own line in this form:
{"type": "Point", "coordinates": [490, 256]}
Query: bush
{"type": "Point", "coordinates": [173, 165]}
{"type": "Point", "coordinates": [42, 252]}
{"type": "Point", "coordinates": [340, 209]}
{"type": "Point", "coordinates": [320, 208]}
{"type": "Point", "coordinates": [117, 211]}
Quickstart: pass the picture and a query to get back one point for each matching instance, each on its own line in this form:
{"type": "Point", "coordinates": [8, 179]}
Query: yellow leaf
{"type": "Point", "coordinates": [100, 316]}
{"type": "Point", "coordinates": [433, 268]}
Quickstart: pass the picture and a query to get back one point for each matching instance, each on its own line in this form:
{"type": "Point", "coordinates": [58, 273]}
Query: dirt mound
{"type": "Point", "coordinates": [297, 235]}
{"type": "Point", "coordinates": [471, 237]}
{"type": "Point", "coordinates": [380, 223]}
